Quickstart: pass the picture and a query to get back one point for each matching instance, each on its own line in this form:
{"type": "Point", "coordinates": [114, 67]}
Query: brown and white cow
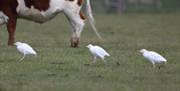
{"type": "Point", "coordinates": [41, 11]}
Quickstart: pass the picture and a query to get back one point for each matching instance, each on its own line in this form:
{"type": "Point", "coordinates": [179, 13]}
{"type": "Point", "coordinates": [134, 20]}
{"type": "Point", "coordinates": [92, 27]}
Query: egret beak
{"type": "Point", "coordinates": [87, 46]}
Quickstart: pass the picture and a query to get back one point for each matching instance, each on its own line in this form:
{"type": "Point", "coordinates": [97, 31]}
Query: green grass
{"type": "Point", "coordinates": [61, 68]}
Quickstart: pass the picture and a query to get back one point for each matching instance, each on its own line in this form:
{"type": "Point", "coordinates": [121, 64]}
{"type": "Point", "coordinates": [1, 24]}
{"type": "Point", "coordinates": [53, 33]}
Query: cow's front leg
{"type": "Point", "coordinates": [11, 27]}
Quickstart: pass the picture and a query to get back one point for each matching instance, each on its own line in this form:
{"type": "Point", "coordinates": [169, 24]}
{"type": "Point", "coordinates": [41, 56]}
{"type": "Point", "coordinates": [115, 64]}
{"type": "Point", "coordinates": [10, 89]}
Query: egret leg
{"type": "Point", "coordinates": [153, 64]}
{"type": "Point", "coordinates": [104, 61]}
{"type": "Point", "coordinates": [22, 58]}
{"type": "Point", "coordinates": [94, 60]}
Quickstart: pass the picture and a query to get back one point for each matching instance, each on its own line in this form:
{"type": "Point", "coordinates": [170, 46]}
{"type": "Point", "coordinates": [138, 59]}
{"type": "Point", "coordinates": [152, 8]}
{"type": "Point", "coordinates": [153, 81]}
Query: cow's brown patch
{"type": "Point", "coordinates": [38, 4]}
{"type": "Point", "coordinates": [80, 2]}
{"type": "Point", "coordinates": [4, 4]}
{"type": "Point", "coordinates": [82, 15]}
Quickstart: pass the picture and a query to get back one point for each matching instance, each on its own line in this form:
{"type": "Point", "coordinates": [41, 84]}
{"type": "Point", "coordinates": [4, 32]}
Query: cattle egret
{"type": "Point", "coordinates": [25, 49]}
{"type": "Point", "coordinates": [97, 52]}
{"type": "Point", "coordinates": [153, 57]}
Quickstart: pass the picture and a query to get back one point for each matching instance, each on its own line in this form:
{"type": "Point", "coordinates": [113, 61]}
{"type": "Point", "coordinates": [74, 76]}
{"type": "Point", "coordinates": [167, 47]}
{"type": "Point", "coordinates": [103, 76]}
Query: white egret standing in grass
{"type": "Point", "coordinates": [153, 57]}
{"type": "Point", "coordinates": [97, 52]}
{"type": "Point", "coordinates": [25, 49]}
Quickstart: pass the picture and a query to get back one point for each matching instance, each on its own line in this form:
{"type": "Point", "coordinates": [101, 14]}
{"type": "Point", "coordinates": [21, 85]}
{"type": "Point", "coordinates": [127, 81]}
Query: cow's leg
{"type": "Point", "coordinates": [77, 23]}
{"type": "Point", "coordinates": [11, 26]}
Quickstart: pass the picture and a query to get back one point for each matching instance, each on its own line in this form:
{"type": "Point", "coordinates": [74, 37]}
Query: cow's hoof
{"type": "Point", "coordinates": [74, 42]}
{"type": "Point", "coordinates": [10, 43]}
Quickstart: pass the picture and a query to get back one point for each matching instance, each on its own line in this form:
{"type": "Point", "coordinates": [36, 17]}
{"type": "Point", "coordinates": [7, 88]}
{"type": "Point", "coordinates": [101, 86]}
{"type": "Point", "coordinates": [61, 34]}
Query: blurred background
{"type": "Point", "coordinates": [125, 6]}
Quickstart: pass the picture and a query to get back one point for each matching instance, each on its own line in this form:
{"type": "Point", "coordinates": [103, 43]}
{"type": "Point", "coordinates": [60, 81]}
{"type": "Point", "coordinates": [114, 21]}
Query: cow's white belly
{"type": "Point", "coordinates": [34, 14]}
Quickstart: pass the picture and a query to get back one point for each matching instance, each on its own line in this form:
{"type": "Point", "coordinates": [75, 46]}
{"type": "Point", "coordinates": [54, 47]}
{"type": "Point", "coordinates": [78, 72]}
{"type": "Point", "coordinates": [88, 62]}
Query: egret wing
{"type": "Point", "coordinates": [156, 56]}
{"type": "Point", "coordinates": [21, 49]}
{"type": "Point", "coordinates": [101, 51]}
{"type": "Point", "coordinates": [28, 49]}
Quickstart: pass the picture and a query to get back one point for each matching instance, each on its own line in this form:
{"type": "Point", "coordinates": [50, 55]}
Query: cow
{"type": "Point", "coordinates": [41, 11]}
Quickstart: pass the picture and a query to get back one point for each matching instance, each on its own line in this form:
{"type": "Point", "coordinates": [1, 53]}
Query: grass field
{"type": "Point", "coordinates": [61, 68]}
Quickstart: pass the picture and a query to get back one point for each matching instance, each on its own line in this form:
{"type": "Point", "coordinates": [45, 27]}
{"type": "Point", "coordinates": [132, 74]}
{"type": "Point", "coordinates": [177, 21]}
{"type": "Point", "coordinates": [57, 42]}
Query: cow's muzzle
{"type": "Point", "coordinates": [74, 42]}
